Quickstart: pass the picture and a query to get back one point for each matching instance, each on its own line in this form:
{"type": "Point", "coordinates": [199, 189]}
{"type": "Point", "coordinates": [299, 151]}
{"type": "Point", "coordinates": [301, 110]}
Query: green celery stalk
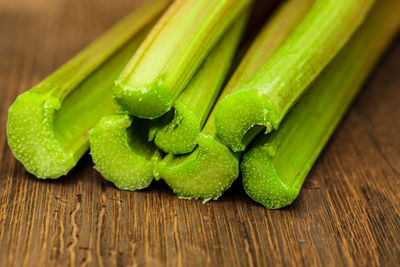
{"type": "Point", "coordinates": [212, 167]}
{"type": "Point", "coordinates": [191, 109]}
{"type": "Point", "coordinates": [171, 54]}
{"type": "Point", "coordinates": [121, 152]}
{"type": "Point", "coordinates": [275, 168]}
{"type": "Point", "coordinates": [265, 99]}
{"type": "Point", "coordinates": [48, 125]}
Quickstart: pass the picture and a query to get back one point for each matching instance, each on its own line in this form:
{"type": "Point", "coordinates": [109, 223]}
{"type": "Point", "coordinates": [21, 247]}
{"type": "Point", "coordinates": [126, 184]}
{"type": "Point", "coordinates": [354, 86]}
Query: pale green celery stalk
{"type": "Point", "coordinates": [275, 168]}
{"type": "Point", "coordinates": [121, 152]}
{"type": "Point", "coordinates": [171, 54]}
{"type": "Point", "coordinates": [48, 125]}
{"type": "Point", "coordinates": [191, 109]}
{"type": "Point", "coordinates": [212, 167]}
{"type": "Point", "coordinates": [264, 100]}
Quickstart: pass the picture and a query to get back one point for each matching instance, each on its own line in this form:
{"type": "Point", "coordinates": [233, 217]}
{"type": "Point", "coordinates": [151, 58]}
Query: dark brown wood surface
{"type": "Point", "coordinates": [348, 212]}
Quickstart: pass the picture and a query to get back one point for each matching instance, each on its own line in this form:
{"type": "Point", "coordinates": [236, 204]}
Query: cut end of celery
{"type": "Point", "coordinates": [239, 116]}
{"type": "Point", "coordinates": [262, 183]}
{"type": "Point", "coordinates": [203, 174]}
{"type": "Point", "coordinates": [31, 137]}
{"type": "Point", "coordinates": [178, 136]}
{"type": "Point", "coordinates": [147, 102]}
{"type": "Point", "coordinates": [121, 153]}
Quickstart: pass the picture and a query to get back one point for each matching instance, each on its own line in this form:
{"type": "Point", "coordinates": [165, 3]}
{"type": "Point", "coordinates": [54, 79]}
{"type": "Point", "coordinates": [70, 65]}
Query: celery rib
{"type": "Point", "coordinates": [48, 125]}
{"type": "Point", "coordinates": [205, 173]}
{"type": "Point", "coordinates": [171, 54]}
{"type": "Point", "coordinates": [177, 136]}
{"type": "Point", "coordinates": [121, 153]}
{"type": "Point", "coordinates": [267, 97]}
{"type": "Point", "coordinates": [275, 168]}
{"type": "Point", "coordinates": [212, 167]}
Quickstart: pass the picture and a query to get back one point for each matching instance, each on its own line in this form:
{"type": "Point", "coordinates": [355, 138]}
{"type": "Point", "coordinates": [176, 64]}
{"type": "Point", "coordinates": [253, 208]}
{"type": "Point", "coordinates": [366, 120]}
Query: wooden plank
{"type": "Point", "coordinates": [347, 214]}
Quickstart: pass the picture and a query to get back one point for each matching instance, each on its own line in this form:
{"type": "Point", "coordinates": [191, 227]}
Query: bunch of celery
{"type": "Point", "coordinates": [113, 152]}
{"type": "Point", "coordinates": [169, 96]}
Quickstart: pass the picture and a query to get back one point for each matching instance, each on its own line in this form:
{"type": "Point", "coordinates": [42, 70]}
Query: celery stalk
{"type": "Point", "coordinates": [48, 125]}
{"type": "Point", "coordinates": [171, 54]}
{"type": "Point", "coordinates": [266, 98]}
{"type": "Point", "coordinates": [121, 153]}
{"type": "Point", "coordinates": [177, 136]}
{"type": "Point", "coordinates": [212, 167]}
{"type": "Point", "coordinates": [275, 168]}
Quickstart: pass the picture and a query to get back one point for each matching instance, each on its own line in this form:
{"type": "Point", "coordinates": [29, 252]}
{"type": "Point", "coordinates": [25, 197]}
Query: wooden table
{"type": "Point", "coordinates": [348, 212]}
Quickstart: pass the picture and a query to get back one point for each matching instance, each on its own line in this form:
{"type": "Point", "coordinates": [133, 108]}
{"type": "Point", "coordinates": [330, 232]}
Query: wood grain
{"type": "Point", "coordinates": [348, 212]}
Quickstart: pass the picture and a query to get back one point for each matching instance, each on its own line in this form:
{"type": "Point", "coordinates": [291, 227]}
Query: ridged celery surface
{"type": "Point", "coordinates": [212, 167]}
{"type": "Point", "coordinates": [171, 54]}
{"type": "Point", "coordinates": [275, 168]}
{"type": "Point", "coordinates": [266, 98]}
{"type": "Point", "coordinates": [121, 152]}
{"type": "Point", "coordinates": [191, 109]}
{"type": "Point", "coordinates": [48, 125]}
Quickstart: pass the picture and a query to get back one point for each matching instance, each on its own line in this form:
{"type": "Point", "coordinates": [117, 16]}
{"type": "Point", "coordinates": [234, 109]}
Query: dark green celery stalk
{"type": "Point", "coordinates": [275, 168]}
{"type": "Point", "coordinates": [191, 109]}
{"type": "Point", "coordinates": [171, 54]}
{"type": "Point", "coordinates": [212, 167]}
{"type": "Point", "coordinates": [266, 98]}
{"type": "Point", "coordinates": [48, 125]}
